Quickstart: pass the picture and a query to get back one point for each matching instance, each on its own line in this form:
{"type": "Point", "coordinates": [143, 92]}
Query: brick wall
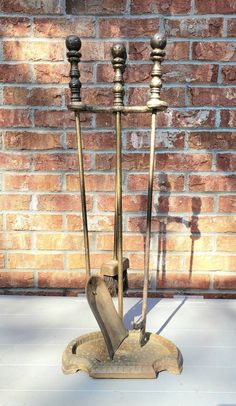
{"type": "Point", "coordinates": [193, 247]}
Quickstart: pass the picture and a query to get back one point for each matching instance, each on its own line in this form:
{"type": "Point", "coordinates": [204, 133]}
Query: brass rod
{"type": "Point", "coordinates": [119, 242]}
{"type": "Point", "coordinates": [113, 109]}
{"type": "Point", "coordinates": [82, 194]}
{"type": "Point", "coordinates": [148, 227]}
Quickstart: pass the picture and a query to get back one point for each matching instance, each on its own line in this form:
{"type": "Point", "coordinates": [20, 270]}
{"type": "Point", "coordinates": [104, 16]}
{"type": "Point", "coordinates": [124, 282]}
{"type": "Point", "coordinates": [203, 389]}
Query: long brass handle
{"type": "Point", "coordinates": [73, 45]}
{"type": "Point", "coordinates": [158, 43]}
{"type": "Point", "coordinates": [118, 52]}
{"type": "Point", "coordinates": [83, 194]}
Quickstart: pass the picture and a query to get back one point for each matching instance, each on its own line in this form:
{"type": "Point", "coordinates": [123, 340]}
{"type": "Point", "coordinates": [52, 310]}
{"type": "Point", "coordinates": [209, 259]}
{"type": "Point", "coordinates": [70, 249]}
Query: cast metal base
{"type": "Point", "coordinates": [89, 353]}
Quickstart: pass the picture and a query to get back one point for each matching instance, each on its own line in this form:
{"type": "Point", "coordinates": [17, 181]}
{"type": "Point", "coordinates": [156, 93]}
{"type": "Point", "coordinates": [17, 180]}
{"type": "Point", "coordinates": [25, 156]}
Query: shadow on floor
{"type": "Point", "coordinates": [171, 316]}
{"type": "Point", "coordinates": [135, 312]}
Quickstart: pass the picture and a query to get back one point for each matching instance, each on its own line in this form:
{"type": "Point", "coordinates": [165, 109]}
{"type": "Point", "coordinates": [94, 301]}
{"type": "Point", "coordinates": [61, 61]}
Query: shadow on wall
{"type": "Point", "coordinates": [163, 207]}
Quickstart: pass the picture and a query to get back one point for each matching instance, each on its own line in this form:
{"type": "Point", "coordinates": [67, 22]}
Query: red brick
{"type": "Point", "coordinates": [2, 261]}
{"type": "Point", "coordinates": [96, 222]}
{"type": "Point", "coordinates": [61, 27]}
{"type": "Point", "coordinates": [189, 73]}
{"type": "Point", "coordinates": [171, 223]}
{"type": "Point", "coordinates": [173, 96]}
{"type": "Point", "coordinates": [135, 280]}
{"type": "Point", "coordinates": [213, 263]}
{"type": "Point", "coordinates": [130, 203]}
{"type": "Point", "coordinates": [40, 222]}
{"type": "Point", "coordinates": [174, 51]}
{"type": "Point", "coordinates": [61, 280]}
{"type": "Point", "coordinates": [12, 161]}
{"type": "Point", "coordinates": [184, 243]}
{"type": "Point", "coordinates": [17, 73]}
{"type": "Point", "coordinates": [33, 182]}
{"type": "Point", "coordinates": [32, 97]}
{"type": "Point", "coordinates": [158, 6]}
{"type": "Point", "coordinates": [77, 261]}
{"type": "Point", "coordinates": [225, 282]}
{"type": "Point", "coordinates": [212, 183]}
{"type": "Point", "coordinates": [172, 263]}
{"type": "Point", "coordinates": [116, 27]}
{"type": "Point", "coordinates": [62, 162]}
{"type": "Point", "coordinates": [62, 202]}
{"type": "Point", "coordinates": [32, 140]}
{"type": "Point", "coordinates": [183, 281]}
{"type": "Point", "coordinates": [231, 27]}
{"type": "Point", "coordinates": [35, 261]}
{"type": "Point", "coordinates": [130, 242]}
{"type": "Point", "coordinates": [139, 182]}
{"type": "Point", "coordinates": [183, 73]}
{"type": "Point", "coordinates": [229, 74]}
{"type": "Point", "coordinates": [226, 162]}
{"type": "Point", "coordinates": [31, 6]}
{"type": "Point", "coordinates": [15, 202]}
{"type": "Point", "coordinates": [1, 222]}
{"type": "Point", "coordinates": [103, 182]}
{"type": "Point", "coordinates": [59, 72]}
{"type": "Point", "coordinates": [15, 241]}
{"type": "Point", "coordinates": [136, 261]}
{"type": "Point", "coordinates": [93, 140]}
{"type": "Point", "coordinates": [91, 7]}
{"type": "Point", "coordinates": [212, 96]}
{"type": "Point", "coordinates": [15, 118]}
{"type": "Point", "coordinates": [194, 27]}
{"type": "Point", "coordinates": [177, 51]}
{"type": "Point", "coordinates": [129, 120]}
{"type": "Point", "coordinates": [217, 224]}
{"type": "Point", "coordinates": [180, 161]}
{"type": "Point", "coordinates": [227, 204]}
{"type": "Point", "coordinates": [215, 7]}
{"type": "Point", "coordinates": [214, 51]}
{"type": "Point", "coordinates": [212, 140]}
{"type": "Point", "coordinates": [182, 204]}
{"type": "Point", "coordinates": [91, 96]}
{"type": "Point", "coordinates": [16, 280]}
{"type": "Point", "coordinates": [137, 140]}
{"type": "Point", "coordinates": [133, 73]}
{"type": "Point", "coordinates": [226, 243]}
{"type": "Point", "coordinates": [59, 118]}
{"type": "Point", "coordinates": [95, 51]}
{"type": "Point", "coordinates": [59, 241]}
{"type": "Point", "coordinates": [33, 50]}
{"type": "Point", "coordinates": [130, 161]}
{"type": "Point", "coordinates": [228, 118]}
{"type": "Point", "coordinates": [14, 26]}
{"type": "Point", "coordinates": [186, 118]}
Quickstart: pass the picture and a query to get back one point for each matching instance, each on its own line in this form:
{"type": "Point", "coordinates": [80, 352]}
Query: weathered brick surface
{"type": "Point", "coordinates": [193, 227]}
{"type": "Point", "coordinates": [194, 27]}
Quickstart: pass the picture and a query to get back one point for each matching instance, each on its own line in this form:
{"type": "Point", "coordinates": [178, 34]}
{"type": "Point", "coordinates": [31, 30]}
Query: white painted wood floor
{"type": "Point", "coordinates": [35, 330]}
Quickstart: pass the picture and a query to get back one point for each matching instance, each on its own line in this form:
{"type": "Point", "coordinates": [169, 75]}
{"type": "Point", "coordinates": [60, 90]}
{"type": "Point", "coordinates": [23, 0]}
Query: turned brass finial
{"type": "Point", "coordinates": [73, 45]}
{"type": "Point", "coordinates": [158, 43]}
{"type": "Point", "coordinates": [119, 56]}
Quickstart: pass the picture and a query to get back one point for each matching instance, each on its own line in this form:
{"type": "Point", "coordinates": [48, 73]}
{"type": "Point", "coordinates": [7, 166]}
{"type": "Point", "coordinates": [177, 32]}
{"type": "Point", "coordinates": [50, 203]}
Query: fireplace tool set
{"type": "Point", "coordinates": [115, 352]}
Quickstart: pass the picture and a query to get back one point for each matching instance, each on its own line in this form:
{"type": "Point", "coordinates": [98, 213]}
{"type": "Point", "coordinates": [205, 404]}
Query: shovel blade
{"type": "Point", "coordinates": [102, 306]}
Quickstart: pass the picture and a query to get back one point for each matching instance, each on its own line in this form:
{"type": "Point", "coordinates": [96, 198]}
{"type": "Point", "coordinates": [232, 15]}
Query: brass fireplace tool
{"type": "Point", "coordinates": [115, 352]}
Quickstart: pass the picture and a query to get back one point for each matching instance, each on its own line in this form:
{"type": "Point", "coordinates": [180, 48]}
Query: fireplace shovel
{"type": "Point", "coordinates": [102, 306]}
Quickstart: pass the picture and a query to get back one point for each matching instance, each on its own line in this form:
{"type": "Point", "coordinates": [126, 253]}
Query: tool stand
{"type": "Point", "coordinates": [115, 352]}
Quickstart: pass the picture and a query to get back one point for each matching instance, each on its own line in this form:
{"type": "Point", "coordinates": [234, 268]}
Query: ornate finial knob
{"type": "Point", "coordinates": [118, 51]}
{"type": "Point", "coordinates": [158, 43]}
{"type": "Point", "coordinates": [73, 45]}
{"type": "Point", "coordinates": [119, 55]}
